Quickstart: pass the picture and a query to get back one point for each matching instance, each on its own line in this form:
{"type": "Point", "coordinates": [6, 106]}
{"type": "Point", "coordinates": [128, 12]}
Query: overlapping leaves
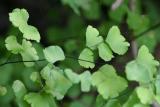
{"type": "Point", "coordinates": [143, 68]}
{"type": "Point", "coordinates": [19, 18]}
{"type": "Point", "coordinates": [114, 42]}
{"type": "Point", "coordinates": [40, 100]}
{"type": "Point", "coordinates": [26, 50]}
{"type": "Point", "coordinates": [108, 83]}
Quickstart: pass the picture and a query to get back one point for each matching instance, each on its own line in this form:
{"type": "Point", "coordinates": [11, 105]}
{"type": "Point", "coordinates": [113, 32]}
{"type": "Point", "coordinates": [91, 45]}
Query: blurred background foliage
{"type": "Point", "coordinates": [64, 22]}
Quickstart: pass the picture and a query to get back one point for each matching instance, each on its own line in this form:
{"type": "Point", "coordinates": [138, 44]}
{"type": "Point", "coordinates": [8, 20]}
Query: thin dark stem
{"type": "Point", "coordinates": [9, 56]}
{"type": "Point", "coordinates": [13, 62]}
{"type": "Point", "coordinates": [149, 29]}
{"type": "Point", "coordinates": [71, 57]}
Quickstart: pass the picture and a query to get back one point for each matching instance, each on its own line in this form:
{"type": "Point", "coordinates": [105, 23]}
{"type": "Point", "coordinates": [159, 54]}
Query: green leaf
{"type": "Point", "coordinates": [3, 90]}
{"type": "Point", "coordinates": [137, 22]}
{"type": "Point", "coordinates": [53, 54]}
{"type": "Point", "coordinates": [145, 95]}
{"type": "Point", "coordinates": [157, 98]}
{"type": "Point", "coordinates": [35, 77]}
{"type": "Point", "coordinates": [30, 32]}
{"type": "Point", "coordinates": [12, 45]}
{"type": "Point", "coordinates": [108, 83]}
{"type": "Point", "coordinates": [141, 105]}
{"type": "Point", "coordinates": [72, 76]}
{"type": "Point", "coordinates": [56, 83]}
{"type": "Point", "coordinates": [29, 53]}
{"type": "Point", "coordinates": [143, 68]}
{"type": "Point", "coordinates": [40, 100]}
{"type": "Point", "coordinates": [100, 101]}
{"type": "Point", "coordinates": [86, 58]}
{"type": "Point", "coordinates": [92, 37]}
{"type": "Point", "coordinates": [19, 17]}
{"type": "Point", "coordinates": [116, 41]}
{"type": "Point", "coordinates": [85, 79]}
{"type": "Point", "coordinates": [132, 100]}
{"type": "Point", "coordinates": [118, 13]}
{"type": "Point", "coordinates": [20, 91]}
{"type": "Point", "coordinates": [105, 52]}
{"type": "Point", "coordinates": [157, 85]}
{"type": "Point", "coordinates": [113, 103]}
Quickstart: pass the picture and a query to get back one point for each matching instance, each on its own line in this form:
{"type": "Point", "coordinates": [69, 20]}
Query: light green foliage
{"type": "Point", "coordinates": [3, 90]}
{"type": "Point", "coordinates": [108, 83]}
{"type": "Point", "coordinates": [100, 101]}
{"type": "Point", "coordinates": [93, 38]}
{"type": "Point", "coordinates": [86, 58]}
{"type": "Point", "coordinates": [104, 52]}
{"type": "Point", "coordinates": [56, 83]}
{"type": "Point", "coordinates": [157, 88]}
{"type": "Point", "coordinates": [12, 45]}
{"type": "Point", "coordinates": [30, 33]}
{"type": "Point", "coordinates": [85, 79]}
{"type": "Point", "coordinates": [20, 91]}
{"type": "Point", "coordinates": [94, 41]}
{"type": "Point", "coordinates": [157, 84]}
{"type": "Point", "coordinates": [72, 76]}
{"type": "Point", "coordinates": [40, 100]}
{"type": "Point", "coordinates": [157, 98]}
{"type": "Point", "coordinates": [134, 101]}
{"type": "Point", "coordinates": [29, 53]}
{"type": "Point", "coordinates": [26, 50]}
{"type": "Point", "coordinates": [141, 105]}
{"type": "Point", "coordinates": [19, 18]}
{"type": "Point", "coordinates": [143, 68]}
{"type": "Point", "coordinates": [54, 54]}
{"type": "Point", "coordinates": [35, 77]}
{"type": "Point", "coordinates": [116, 41]}
{"type": "Point", "coordinates": [145, 95]}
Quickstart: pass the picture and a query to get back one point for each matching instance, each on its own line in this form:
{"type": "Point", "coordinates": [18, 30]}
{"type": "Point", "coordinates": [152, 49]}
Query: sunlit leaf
{"type": "Point", "coordinates": [92, 37]}
{"type": "Point", "coordinates": [40, 100]}
{"type": "Point", "coordinates": [53, 54]}
{"type": "Point", "coordinates": [29, 53]}
{"type": "Point", "coordinates": [105, 52]}
{"type": "Point", "coordinates": [86, 58]}
{"type": "Point", "coordinates": [116, 41]}
{"type": "Point", "coordinates": [85, 79]}
{"type": "Point", "coordinates": [108, 83]}
{"type": "Point", "coordinates": [12, 45]}
{"type": "Point", "coordinates": [143, 68]}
